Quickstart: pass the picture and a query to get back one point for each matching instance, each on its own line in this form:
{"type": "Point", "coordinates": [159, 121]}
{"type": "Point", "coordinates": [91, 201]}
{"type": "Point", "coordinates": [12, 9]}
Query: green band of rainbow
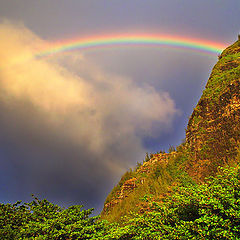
{"type": "Point", "coordinates": [204, 46]}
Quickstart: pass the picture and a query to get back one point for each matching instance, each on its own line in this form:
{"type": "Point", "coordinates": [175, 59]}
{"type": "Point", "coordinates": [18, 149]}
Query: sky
{"type": "Point", "coordinates": [73, 122]}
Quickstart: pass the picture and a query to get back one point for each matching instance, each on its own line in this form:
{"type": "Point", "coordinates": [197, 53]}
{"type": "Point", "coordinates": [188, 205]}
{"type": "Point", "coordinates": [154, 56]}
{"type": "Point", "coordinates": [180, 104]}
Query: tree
{"type": "Point", "coordinates": [206, 211]}
{"type": "Point", "coordinates": [41, 219]}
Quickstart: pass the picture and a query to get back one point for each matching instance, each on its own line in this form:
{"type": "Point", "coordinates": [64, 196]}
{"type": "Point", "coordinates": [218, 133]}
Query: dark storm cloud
{"type": "Point", "coordinates": [69, 134]}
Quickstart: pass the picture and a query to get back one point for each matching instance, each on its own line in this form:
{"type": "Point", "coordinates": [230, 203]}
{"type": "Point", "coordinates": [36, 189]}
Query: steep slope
{"type": "Point", "coordinates": [212, 140]}
{"type": "Point", "coordinates": [213, 131]}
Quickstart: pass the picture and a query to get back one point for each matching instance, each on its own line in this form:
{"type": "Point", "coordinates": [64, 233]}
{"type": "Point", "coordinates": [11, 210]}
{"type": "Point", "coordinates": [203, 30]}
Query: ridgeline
{"type": "Point", "coordinates": [212, 140]}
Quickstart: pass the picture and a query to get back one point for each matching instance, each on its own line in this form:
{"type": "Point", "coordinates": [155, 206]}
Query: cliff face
{"type": "Point", "coordinates": [213, 131]}
{"type": "Point", "coordinates": [212, 139]}
{"type": "Point", "coordinates": [150, 177]}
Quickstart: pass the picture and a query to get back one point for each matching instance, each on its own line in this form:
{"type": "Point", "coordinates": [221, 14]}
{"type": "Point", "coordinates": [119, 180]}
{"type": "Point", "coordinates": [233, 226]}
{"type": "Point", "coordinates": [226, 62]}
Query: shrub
{"type": "Point", "coordinates": [41, 219]}
{"type": "Point", "coordinates": [206, 211]}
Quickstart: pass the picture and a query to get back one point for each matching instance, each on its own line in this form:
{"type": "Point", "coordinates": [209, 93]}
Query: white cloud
{"type": "Point", "coordinates": [101, 112]}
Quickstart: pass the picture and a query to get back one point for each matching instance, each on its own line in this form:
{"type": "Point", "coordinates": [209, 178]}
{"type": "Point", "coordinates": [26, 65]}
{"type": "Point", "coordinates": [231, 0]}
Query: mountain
{"type": "Point", "coordinates": [212, 140]}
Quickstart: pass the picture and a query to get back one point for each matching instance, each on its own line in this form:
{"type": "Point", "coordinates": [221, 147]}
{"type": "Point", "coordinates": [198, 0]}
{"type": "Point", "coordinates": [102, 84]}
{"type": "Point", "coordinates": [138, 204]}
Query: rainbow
{"type": "Point", "coordinates": [199, 45]}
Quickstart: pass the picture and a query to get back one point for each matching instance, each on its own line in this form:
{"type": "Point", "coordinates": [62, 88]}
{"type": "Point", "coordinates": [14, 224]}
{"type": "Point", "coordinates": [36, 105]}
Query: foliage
{"type": "Point", "coordinates": [171, 149]}
{"type": "Point", "coordinates": [194, 211]}
{"type": "Point", "coordinates": [41, 219]}
{"type": "Point", "coordinates": [126, 176]}
{"type": "Point", "coordinates": [159, 179]}
{"type": "Point", "coordinates": [147, 158]}
{"type": "Point", "coordinates": [206, 211]}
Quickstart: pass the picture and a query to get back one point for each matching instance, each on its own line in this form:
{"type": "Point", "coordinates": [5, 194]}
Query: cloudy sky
{"type": "Point", "coordinates": [73, 122]}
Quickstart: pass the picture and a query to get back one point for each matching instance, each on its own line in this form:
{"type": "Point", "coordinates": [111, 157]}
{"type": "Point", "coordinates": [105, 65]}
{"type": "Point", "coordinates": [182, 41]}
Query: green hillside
{"type": "Point", "coordinates": [212, 140]}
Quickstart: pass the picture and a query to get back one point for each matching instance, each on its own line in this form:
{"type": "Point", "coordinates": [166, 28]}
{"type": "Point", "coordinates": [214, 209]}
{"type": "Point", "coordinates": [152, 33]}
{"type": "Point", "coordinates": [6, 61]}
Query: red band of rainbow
{"type": "Point", "coordinates": [199, 45]}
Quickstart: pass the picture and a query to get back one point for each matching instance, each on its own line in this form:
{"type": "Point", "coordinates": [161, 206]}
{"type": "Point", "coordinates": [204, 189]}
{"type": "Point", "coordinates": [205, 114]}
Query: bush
{"type": "Point", "coordinates": [41, 219]}
{"type": "Point", "coordinates": [147, 158]}
{"type": "Point", "coordinates": [171, 149]}
{"type": "Point", "coordinates": [204, 211]}
{"type": "Point", "coordinates": [207, 211]}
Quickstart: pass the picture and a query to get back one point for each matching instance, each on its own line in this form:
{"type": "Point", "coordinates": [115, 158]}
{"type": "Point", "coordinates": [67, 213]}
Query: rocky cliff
{"type": "Point", "coordinates": [212, 139]}
{"type": "Point", "coordinates": [213, 131]}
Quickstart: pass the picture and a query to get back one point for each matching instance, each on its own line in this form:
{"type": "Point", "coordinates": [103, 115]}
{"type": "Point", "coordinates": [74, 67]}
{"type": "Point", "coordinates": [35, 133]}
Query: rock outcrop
{"type": "Point", "coordinates": [212, 140]}
{"type": "Point", "coordinates": [137, 178]}
{"type": "Point", "coordinates": [213, 131]}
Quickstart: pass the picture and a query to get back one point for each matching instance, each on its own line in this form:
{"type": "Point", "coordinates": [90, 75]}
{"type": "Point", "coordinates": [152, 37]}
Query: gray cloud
{"type": "Point", "coordinates": [69, 130]}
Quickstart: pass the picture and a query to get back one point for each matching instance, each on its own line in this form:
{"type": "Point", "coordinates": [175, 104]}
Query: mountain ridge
{"type": "Point", "coordinates": [212, 140]}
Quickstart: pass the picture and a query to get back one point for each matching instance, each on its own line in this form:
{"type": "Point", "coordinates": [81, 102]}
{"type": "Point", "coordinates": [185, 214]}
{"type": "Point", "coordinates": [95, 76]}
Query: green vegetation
{"type": "Point", "coordinates": [212, 140]}
{"type": "Point", "coordinates": [41, 219]}
{"type": "Point", "coordinates": [152, 178]}
{"type": "Point", "coordinates": [225, 72]}
{"type": "Point", "coordinates": [194, 211]}
{"type": "Point", "coordinates": [171, 149]}
{"type": "Point", "coordinates": [206, 211]}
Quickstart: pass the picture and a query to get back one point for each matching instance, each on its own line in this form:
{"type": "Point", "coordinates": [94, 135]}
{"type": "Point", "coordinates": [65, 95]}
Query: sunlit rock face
{"type": "Point", "coordinates": [213, 131]}
{"type": "Point", "coordinates": [212, 140]}
{"type": "Point", "coordinates": [134, 184]}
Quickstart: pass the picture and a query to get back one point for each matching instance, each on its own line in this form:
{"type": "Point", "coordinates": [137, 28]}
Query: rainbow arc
{"type": "Point", "coordinates": [156, 41]}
